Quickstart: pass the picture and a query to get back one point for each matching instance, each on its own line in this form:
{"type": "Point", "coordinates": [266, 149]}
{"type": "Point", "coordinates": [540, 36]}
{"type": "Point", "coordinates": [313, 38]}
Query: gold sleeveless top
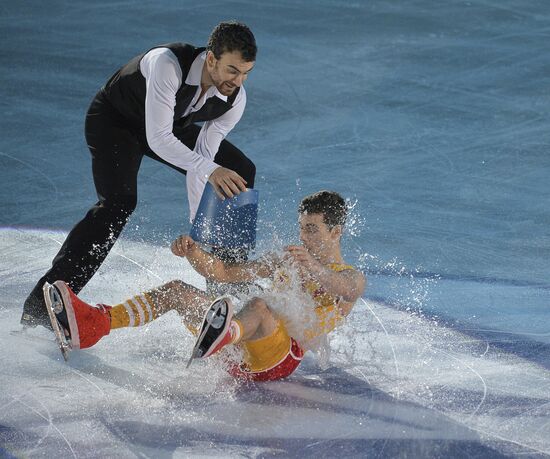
{"type": "Point", "coordinates": [326, 305]}
{"type": "Point", "coordinates": [267, 352]}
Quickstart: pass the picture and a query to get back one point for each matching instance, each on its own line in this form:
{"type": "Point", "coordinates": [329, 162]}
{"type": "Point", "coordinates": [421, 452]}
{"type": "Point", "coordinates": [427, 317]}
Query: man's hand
{"type": "Point", "coordinates": [182, 246]}
{"type": "Point", "coordinates": [303, 258]}
{"type": "Point", "coordinates": [227, 183]}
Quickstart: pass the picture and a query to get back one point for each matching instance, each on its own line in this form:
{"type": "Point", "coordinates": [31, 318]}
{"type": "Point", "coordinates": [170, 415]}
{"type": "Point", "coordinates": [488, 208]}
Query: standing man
{"type": "Point", "coordinates": [150, 107]}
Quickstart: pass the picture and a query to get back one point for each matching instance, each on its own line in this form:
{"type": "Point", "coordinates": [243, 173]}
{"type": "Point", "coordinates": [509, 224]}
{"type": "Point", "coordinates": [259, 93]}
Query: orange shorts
{"type": "Point", "coordinates": [281, 370]}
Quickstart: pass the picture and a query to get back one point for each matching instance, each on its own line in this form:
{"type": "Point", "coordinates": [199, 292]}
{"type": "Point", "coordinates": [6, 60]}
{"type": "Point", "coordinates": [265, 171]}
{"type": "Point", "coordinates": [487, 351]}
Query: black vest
{"type": "Point", "coordinates": [125, 90]}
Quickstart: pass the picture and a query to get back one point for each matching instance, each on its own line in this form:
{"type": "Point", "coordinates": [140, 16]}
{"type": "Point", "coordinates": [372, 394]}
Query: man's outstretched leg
{"type": "Point", "coordinates": [84, 325]}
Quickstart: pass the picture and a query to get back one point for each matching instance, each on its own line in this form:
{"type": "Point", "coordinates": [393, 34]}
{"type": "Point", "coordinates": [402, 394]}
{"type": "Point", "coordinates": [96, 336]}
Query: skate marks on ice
{"type": "Point", "coordinates": [306, 416]}
{"type": "Point", "coordinates": [139, 403]}
{"type": "Point", "coordinates": [499, 395]}
{"type": "Point", "coordinates": [396, 385]}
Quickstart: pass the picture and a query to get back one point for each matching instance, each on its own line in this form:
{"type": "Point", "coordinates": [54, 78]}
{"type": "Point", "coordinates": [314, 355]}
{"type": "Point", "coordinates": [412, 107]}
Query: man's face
{"type": "Point", "coordinates": [228, 72]}
{"type": "Point", "coordinates": [316, 235]}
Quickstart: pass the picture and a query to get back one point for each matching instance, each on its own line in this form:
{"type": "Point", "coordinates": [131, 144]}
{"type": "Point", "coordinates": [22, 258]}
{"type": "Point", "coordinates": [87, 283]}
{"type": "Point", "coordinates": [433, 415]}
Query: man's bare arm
{"type": "Point", "coordinates": [214, 269]}
{"type": "Point", "coordinates": [348, 284]}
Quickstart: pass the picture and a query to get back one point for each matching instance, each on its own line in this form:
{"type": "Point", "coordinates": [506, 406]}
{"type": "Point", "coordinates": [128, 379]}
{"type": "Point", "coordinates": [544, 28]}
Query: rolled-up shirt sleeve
{"type": "Point", "coordinates": [163, 78]}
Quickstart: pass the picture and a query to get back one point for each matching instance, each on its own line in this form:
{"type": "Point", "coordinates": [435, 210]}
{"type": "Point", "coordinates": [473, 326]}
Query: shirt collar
{"type": "Point", "coordinates": [195, 74]}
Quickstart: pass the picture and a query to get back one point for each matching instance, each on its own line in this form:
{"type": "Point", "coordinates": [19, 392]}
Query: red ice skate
{"type": "Point", "coordinates": [76, 324]}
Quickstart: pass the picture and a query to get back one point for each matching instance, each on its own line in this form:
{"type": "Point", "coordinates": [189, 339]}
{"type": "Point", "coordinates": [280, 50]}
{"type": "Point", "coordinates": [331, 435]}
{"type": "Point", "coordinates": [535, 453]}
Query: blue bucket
{"type": "Point", "coordinates": [229, 223]}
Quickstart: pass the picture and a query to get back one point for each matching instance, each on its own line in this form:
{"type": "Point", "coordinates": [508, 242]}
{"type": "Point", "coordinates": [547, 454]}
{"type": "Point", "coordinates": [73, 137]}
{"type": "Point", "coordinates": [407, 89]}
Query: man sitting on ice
{"type": "Point", "coordinates": [259, 329]}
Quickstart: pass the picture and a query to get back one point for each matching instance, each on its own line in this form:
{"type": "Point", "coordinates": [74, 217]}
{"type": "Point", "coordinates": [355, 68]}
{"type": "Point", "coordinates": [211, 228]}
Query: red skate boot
{"type": "Point", "coordinates": [76, 324]}
{"type": "Point", "coordinates": [217, 330]}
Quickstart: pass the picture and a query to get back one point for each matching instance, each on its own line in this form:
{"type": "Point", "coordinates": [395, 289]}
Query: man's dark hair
{"type": "Point", "coordinates": [232, 36]}
{"type": "Point", "coordinates": [328, 203]}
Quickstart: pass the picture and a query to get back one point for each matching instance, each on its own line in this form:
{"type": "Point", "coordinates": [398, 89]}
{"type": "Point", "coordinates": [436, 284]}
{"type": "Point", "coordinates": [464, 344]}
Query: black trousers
{"type": "Point", "coordinates": [117, 151]}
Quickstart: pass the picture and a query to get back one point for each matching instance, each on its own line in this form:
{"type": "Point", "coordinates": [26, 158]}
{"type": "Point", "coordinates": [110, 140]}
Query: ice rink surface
{"type": "Point", "coordinates": [433, 117]}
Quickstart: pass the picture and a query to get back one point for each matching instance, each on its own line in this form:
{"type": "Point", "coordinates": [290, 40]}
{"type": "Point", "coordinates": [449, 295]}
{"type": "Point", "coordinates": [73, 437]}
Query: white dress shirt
{"type": "Point", "coordinates": [163, 77]}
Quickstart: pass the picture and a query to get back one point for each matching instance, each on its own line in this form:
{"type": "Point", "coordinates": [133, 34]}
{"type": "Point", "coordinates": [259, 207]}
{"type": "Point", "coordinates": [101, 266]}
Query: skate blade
{"type": "Point", "coordinates": [194, 354]}
{"type": "Point", "coordinates": [53, 302]}
{"type": "Point", "coordinates": [190, 361]}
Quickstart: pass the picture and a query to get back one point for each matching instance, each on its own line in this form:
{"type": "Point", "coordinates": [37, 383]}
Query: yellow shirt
{"type": "Point", "coordinates": [267, 352]}
{"type": "Point", "coordinates": [327, 310]}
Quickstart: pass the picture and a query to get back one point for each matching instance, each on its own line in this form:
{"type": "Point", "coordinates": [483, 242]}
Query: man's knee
{"type": "Point", "coordinates": [267, 320]}
{"type": "Point", "coordinates": [175, 287]}
{"type": "Point", "coordinates": [249, 172]}
{"type": "Point", "coordinates": [112, 212]}
{"type": "Point", "coordinates": [126, 203]}
{"type": "Point", "coordinates": [231, 157]}
{"type": "Point", "coordinates": [118, 206]}
{"type": "Point", "coordinates": [245, 168]}
{"type": "Point", "coordinates": [259, 306]}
